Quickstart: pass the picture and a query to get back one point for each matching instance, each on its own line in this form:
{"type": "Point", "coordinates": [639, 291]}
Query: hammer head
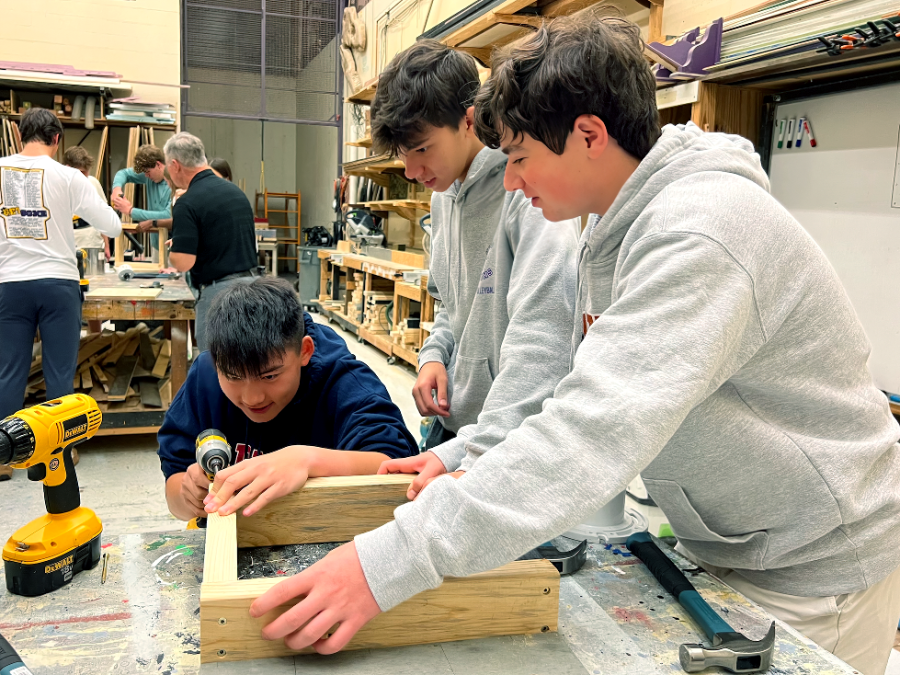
{"type": "Point", "coordinates": [731, 651]}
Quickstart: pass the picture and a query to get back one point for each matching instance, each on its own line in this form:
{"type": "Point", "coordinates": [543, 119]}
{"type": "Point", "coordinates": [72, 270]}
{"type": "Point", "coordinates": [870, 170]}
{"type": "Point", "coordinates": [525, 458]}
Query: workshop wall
{"type": "Point", "coordinates": [682, 15]}
{"type": "Point", "coordinates": [240, 143]}
{"type": "Point", "coordinates": [139, 40]}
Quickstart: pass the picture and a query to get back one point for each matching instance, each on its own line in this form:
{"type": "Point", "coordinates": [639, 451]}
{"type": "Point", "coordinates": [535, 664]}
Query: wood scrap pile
{"type": "Point", "coordinates": [120, 370]}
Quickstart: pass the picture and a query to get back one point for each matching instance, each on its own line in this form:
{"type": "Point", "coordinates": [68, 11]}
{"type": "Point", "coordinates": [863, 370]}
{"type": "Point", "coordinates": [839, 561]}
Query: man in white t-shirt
{"type": "Point", "coordinates": [38, 271]}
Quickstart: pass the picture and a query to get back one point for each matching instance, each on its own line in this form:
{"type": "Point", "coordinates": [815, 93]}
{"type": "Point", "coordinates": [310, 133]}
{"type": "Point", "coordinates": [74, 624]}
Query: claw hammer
{"type": "Point", "coordinates": [730, 649]}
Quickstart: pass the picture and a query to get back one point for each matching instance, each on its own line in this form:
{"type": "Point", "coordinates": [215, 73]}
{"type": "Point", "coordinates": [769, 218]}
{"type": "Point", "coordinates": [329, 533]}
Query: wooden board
{"type": "Point", "coordinates": [326, 510]}
{"type": "Point", "coordinates": [220, 553]}
{"type": "Point", "coordinates": [147, 358]}
{"type": "Point", "coordinates": [118, 391]}
{"type": "Point", "coordinates": [162, 361]}
{"type": "Point", "coordinates": [519, 598]}
{"type": "Point", "coordinates": [150, 397]}
{"type": "Point", "coordinates": [126, 293]}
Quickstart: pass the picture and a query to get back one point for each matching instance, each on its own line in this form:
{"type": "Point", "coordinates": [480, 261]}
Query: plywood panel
{"type": "Point", "coordinates": [126, 293]}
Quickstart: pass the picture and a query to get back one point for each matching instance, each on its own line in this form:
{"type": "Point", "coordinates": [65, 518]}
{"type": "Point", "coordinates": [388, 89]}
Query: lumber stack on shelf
{"type": "Point", "coordinates": [120, 370]}
{"type": "Point", "coordinates": [357, 299]}
{"type": "Point", "coordinates": [376, 315]}
{"type": "Point", "coordinates": [405, 336]}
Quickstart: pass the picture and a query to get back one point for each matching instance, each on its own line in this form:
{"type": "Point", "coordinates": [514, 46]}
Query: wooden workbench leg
{"type": "Point", "coordinates": [163, 251]}
{"type": "Point", "coordinates": [120, 250]}
{"type": "Point", "coordinates": [179, 354]}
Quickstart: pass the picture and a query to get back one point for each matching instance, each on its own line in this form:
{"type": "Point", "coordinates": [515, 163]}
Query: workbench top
{"type": "Point", "coordinates": [614, 619]}
{"type": "Point", "coordinates": [174, 290]}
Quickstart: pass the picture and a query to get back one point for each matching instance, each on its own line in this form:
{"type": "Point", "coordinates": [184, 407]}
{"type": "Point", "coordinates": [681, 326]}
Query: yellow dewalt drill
{"type": "Point", "coordinates": [47, 552]}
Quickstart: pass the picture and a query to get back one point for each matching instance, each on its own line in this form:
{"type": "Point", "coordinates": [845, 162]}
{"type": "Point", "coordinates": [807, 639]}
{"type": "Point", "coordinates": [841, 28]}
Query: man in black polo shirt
{"type": "Point", "coordinates": [213, 232]}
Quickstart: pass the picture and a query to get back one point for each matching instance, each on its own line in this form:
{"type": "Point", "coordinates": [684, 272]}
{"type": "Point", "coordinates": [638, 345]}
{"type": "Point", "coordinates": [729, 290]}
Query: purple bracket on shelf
{"type": "Point", "coordinates": [705, 53]}
{"type": "Point", "coordinates": [690, 54]}
{"type": "Point", "coordinates": [676, 53]}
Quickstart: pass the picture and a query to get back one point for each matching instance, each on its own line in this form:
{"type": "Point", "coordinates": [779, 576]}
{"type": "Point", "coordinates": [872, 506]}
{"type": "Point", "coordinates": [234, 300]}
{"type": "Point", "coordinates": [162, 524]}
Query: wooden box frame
{"type": "Point", "coordinates": [519, 598]}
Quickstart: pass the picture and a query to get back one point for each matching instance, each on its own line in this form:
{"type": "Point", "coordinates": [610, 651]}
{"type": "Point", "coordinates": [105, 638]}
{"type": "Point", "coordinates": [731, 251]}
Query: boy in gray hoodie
{"type": "Point", "coordinates": [714, 352]}
{"type": "Point", "coordinates": [504, 275]}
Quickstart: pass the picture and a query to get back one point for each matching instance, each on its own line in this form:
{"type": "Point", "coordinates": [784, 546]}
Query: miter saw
{"type": "Point", "coordinates": [362, 228]}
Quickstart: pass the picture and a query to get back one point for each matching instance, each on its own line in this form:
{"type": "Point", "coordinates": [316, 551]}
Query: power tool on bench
{"type": "Point", "coordinates": [49, 551]}
{"type": "Point", "coordinates": [10, 661]}
{"type": "Point", "coordinates": [213, 454]}
{"type": "Point", "coordinates": [81, 259]}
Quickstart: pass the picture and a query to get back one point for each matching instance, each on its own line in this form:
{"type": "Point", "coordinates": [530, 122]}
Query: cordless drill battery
{"type": "Point", "coordinates": [48, 552]}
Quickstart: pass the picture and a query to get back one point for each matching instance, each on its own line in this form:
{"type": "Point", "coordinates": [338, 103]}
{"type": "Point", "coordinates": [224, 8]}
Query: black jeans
{"type": "Point", "coordinates": [437, 434]}
{"type": "Point", "coordinates": [54, 306]}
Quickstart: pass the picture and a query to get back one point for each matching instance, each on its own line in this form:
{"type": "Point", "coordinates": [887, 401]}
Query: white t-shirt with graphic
{"type": "Point", "coordinates": [38, 197]}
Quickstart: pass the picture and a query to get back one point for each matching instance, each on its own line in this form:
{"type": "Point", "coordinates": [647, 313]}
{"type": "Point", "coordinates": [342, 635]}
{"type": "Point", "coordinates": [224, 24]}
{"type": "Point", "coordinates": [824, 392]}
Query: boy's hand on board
{"type": "Point", "coordinates": [427, 465]}
{"type": "Point", "coordinates": [333, 592]}
{"type": "Point", "coordinates": [260, 480]}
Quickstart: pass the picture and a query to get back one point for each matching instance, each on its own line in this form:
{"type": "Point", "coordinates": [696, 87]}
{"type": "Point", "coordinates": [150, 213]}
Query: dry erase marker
{"type": "Point", "coordinates": [808, 127]}
{"type": "Point", "coordinates": [781, 133]}
{"type": "Point", "coordinates": [799, 136]}
{"type": "Point", "coordinates": [790, 132]}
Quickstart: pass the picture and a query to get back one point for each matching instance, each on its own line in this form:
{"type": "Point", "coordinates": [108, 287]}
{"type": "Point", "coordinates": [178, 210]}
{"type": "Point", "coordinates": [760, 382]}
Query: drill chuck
{"type": "Point", "coordinates": [213, 452]}
{"type": "Point", "coordinates": [17, 442]}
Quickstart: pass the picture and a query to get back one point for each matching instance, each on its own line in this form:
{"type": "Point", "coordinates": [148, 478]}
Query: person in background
{"type": "Point", "coordinates": [149, 168]}
{"type": "Point", "coordinates": [220, 167]}
{"type": "Point", "coordinates": [213, 231]}
{"type": "Point", "coordinates": [85, 235]}
{"type": "Point", "coordinates": [39, 286]}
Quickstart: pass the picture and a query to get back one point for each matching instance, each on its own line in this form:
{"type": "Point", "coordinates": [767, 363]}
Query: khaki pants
{"type": "Point", "coordinates": [858, 628]}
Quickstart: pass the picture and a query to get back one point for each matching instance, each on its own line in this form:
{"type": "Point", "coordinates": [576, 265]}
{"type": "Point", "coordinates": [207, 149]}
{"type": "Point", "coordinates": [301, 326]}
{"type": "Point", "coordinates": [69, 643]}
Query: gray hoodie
{"type": "Point", "coordinates": [724, 363]}
{"type": "Point", "coordinates": [505, 277]}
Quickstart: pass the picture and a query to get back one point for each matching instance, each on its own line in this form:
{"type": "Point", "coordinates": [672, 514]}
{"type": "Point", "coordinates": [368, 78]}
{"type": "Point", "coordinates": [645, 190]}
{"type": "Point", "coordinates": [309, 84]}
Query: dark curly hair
{"type": "Point", "coordinates": [427, 85]}
{"type": "Point", "coordinates": [577, 65]}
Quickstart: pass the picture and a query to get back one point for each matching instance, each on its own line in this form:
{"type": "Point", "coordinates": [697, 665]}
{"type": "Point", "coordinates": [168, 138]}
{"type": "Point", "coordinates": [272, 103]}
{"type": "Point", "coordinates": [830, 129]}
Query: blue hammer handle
{"type": "Point", "coordinates": [674, 581]}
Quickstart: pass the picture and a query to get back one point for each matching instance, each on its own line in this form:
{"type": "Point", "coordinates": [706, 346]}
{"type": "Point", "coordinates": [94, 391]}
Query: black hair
{"type": "Point", "coordinates": [576, 65]}
{"type": "Point", "coordinates": [222, 167]}
{"type": "Point", "coordinates": [248, 325]}
{"type": "Point", "coordinates": [40, 124]}
{"type": "Point", "coordinates": [427, 85]}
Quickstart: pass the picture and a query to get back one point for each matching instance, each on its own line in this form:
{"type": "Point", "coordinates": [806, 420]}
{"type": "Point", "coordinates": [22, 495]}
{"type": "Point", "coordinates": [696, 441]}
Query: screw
{"type": "Point", "coordinates": [546, 591]}
{"type": "Point", "coordinates": [545, 629]}
{"type": "Point", "coordinates": [222, 621]}
{"type": "Point", "coordinates": [221, 652]}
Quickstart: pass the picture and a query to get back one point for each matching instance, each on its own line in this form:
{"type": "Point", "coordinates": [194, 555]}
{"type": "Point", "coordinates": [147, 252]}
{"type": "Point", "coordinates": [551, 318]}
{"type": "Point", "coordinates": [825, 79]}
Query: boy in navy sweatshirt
{"type": "Point", "coordinates": [284, 391]}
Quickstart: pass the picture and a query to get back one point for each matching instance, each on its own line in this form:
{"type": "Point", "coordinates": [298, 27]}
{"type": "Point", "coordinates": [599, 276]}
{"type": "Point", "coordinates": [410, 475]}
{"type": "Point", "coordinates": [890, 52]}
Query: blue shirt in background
{"type": "Point", "coordinates": [159, 196]}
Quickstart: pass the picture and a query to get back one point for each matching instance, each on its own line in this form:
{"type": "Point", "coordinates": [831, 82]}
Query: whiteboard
{"type": "Point", "coordinates": [846, 193]}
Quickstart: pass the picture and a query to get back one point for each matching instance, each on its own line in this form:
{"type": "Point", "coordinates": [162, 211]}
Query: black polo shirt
{"type": "Point", "coordinates": [213, 220]}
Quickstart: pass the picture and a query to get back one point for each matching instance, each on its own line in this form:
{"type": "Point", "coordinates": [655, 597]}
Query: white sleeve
{"type": "Point", "coordinates": [88, 204]}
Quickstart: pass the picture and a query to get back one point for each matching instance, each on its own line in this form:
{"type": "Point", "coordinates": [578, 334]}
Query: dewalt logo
{"type": "Point", "coordinates": [75, 431]}
{"type": "Point", "coordinates": [58, 565]}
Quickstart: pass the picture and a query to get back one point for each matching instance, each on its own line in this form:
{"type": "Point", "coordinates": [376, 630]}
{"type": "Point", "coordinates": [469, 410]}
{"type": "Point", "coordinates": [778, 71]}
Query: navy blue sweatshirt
{"type": "Point", "coordinates": [340, 405]}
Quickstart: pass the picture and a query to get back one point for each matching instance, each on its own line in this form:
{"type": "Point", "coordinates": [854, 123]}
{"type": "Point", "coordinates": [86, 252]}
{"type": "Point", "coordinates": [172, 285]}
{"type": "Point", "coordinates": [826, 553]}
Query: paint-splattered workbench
{"type": "Point", "coordinates": [614, 619]}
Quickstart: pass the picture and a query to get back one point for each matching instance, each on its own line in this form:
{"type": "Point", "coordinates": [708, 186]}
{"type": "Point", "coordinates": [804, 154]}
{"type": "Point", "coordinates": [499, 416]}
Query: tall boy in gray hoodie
{"type": "Point", "coordinates": [504, 275]}
{"type": "Point", "coordinates": [714, 352]}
